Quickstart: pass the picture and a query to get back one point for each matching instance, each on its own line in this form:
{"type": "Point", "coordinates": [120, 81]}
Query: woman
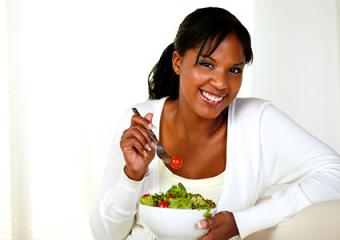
{"type": "Point", "coordinates": [234, 150]}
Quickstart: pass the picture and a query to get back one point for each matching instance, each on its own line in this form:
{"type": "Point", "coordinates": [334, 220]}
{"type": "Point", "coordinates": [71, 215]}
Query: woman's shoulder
{"type": "Point", "coordinates": [249, 105]}
{"type": "Point", "coordinates": [147, 106]}
{"type": "Point", "coordinates": [154, 105]}
{"type": "Point", "coordinates": [245, 114]}
{"type": "Point", "coordinates": [256, 111]}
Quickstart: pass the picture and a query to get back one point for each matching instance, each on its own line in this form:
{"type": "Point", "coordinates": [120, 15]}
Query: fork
{"type": "Point", "coordinates": [175, 161]}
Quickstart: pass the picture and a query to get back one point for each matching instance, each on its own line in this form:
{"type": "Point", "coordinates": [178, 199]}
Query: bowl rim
{"type": "Point", "coordinates": [181, 209]}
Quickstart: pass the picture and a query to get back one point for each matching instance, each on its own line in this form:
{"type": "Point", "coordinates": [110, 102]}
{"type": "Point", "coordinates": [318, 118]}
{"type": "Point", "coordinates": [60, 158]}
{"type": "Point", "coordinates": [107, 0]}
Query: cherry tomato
{"type": "Point", "coordinates": [176, 162]}
{"type": "Point", "coordinates": [163, 204]}
{"type": "Point", "coordinates": [170, 195]}
{"type": "Point", "coordinates": [146, 195]}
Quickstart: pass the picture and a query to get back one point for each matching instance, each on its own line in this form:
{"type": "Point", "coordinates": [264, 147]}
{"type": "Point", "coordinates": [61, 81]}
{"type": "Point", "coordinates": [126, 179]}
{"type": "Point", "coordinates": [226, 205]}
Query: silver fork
{"type": "Point", "coordinates": [161, 153]}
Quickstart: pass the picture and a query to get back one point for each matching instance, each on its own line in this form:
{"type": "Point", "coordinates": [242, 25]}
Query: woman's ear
{"type": "Point", "coordinates": [176, 62]}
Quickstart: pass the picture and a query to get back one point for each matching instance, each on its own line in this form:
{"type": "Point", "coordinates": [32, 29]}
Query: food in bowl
{"type": "Point", "coordinates": [178, 197]}
{"type": "Point", "coordinates": [174, 214]}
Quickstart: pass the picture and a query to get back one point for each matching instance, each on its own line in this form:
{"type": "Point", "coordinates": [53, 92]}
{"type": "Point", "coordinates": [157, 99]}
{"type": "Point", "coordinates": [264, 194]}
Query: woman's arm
{"type": "Point", "coordinates": [124, 178]}
{"type": "Point", "coordinates": [291, 156]}
{"type": "Point", "coordinates": [114, 212]}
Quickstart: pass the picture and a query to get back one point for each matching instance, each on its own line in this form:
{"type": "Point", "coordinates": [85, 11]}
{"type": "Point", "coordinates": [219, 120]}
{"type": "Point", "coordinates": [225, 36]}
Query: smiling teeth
{"type": "Point", "coordinates": [212, 97]}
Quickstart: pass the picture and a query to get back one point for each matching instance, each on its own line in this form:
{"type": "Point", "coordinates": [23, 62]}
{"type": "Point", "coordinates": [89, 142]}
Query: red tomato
{"type": "Point", "coordinates": [171, 195]}
{"type": "Point", "coordinates": [146, 195]}
{"type": "Point", "coordinates": [163, 204]}
{"type": "Point", "coordinates": [176, 162]}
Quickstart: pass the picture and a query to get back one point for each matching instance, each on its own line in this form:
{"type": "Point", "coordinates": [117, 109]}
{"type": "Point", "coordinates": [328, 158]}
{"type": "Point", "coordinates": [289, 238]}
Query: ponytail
{"type": "Point", "coordinates": [162, 80]}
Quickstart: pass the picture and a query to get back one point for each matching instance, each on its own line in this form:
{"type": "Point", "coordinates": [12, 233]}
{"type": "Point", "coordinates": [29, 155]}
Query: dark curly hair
{"type": "Point", "coordinates": [201, 28]}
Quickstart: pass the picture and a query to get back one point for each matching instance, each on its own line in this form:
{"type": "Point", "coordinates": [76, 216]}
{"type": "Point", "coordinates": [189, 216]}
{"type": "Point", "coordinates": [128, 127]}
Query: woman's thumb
{"type": "Point", "coordinates": [149, 116]}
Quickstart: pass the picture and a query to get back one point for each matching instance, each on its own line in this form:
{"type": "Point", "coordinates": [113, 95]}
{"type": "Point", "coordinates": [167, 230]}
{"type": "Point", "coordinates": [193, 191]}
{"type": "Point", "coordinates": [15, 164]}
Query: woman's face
{"type": "Point", "coordinates": [209, 86]}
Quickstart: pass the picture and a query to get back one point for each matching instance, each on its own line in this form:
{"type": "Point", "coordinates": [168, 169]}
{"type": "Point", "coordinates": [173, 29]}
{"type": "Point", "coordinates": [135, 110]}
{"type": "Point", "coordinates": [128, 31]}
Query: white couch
{"type": "Point", "coordinates": [317, 222]}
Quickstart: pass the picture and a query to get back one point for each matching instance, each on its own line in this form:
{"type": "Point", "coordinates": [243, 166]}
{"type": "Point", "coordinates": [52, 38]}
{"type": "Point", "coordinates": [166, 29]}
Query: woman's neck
{"type": "Point", "coordinates": [185, 134]}
{"type": "Point", "coordinates": [189, 125]}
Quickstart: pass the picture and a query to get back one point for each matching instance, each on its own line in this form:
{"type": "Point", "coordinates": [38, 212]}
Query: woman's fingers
{"type": "Point", "coordinates": [145, 125]}
{"type": "Point", "coordinates": [143, 121]}
{"type": "Point", "coordinates": [149, 117]}
{"type": "Point", "coordinates": [141, 135]}
{"type": "Point", "coordinates": [132, 144]}
{"type": "Point", "coordinates": [221, 226]}
{"type": "Point", "coordinates": [137, 146]}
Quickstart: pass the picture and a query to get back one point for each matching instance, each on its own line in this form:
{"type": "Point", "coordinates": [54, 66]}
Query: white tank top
{"type": "Point", "coordinates": [209, 188]}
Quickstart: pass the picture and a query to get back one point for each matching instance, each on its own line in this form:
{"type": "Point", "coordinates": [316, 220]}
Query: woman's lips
{"type": "Point", "coordinates": [211, 98]}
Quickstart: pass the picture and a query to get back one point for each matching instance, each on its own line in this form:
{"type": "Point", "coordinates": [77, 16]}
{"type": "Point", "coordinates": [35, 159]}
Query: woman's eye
{"type": "Point", "coordinates": [206, 64]}
{"type": "Point", "coordinates": [236, 70]}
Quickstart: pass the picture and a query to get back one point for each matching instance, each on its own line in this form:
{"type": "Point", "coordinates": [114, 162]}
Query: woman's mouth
{"type": "Point", "coordinates": [212, 99]}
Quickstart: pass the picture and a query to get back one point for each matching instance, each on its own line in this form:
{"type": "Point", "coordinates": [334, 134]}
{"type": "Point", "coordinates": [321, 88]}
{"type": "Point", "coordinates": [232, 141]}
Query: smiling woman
{"type": "Point", "coordinates": [69, 70]}
{"type": "Point", "coordinates": [233, 149]}
{"type": "Point", "coordinates": [67, 66]}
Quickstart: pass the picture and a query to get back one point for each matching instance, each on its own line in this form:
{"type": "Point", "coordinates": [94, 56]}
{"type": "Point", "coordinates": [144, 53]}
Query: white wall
{"type": "Point", "coordinates": [5, 196]}
{"type": "Point", "coordinates": [296, 47]}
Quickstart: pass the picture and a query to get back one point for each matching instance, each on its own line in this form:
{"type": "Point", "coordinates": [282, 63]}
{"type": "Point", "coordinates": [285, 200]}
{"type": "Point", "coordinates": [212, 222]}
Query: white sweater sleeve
{"type": "Point", "coordinates": [114, 213]}
{"type": "Point", "coordinates": [118, 207]}
{"type": "Point", "coordinates": [290, 155]}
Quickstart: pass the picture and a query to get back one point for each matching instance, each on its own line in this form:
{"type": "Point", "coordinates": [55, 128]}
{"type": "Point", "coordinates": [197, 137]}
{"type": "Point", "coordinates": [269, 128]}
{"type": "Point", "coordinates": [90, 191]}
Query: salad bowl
{"type": "Point", "coordinates": [172, 223]}
{"type": "Point", "coordinates": [175, 213]}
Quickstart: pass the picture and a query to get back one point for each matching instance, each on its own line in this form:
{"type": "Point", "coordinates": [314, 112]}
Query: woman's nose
{"type": "Point", "coordinates": [220, 80]}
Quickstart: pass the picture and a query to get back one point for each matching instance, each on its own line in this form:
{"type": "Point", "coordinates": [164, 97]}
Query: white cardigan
{"type": "Point", "coordinates": [265, 149]}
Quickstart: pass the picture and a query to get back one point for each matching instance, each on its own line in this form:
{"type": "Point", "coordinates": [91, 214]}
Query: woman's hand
{"type": "Point", "coordinates": [222, 226]}
{"type": "Point", "coordinates": [137, 147]}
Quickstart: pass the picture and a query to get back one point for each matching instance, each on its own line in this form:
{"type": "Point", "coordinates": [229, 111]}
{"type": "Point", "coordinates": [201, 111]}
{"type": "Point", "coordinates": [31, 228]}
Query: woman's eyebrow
{"type": "Point", "coordinates": [209, 57]}
{"type": "Point", "coordinates": [212, 59]}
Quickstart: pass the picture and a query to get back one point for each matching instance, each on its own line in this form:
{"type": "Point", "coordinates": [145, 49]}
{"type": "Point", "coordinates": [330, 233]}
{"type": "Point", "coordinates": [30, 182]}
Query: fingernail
{"type": "Point", "coordinates": [154, 145]}
{"type": "Point", "coordinates": [202, 224]}
{"type": "Point", "coordinates": [151, 126]}
{"type": "Point", "coordinates": [147, 146]}
{"type": "Point", "coordinates": [145, 153]}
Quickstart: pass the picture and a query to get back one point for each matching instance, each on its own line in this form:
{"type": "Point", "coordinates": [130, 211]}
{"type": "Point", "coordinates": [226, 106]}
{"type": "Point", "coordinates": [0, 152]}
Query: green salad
{"type": "Point", "coordinates": [178, 197]}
